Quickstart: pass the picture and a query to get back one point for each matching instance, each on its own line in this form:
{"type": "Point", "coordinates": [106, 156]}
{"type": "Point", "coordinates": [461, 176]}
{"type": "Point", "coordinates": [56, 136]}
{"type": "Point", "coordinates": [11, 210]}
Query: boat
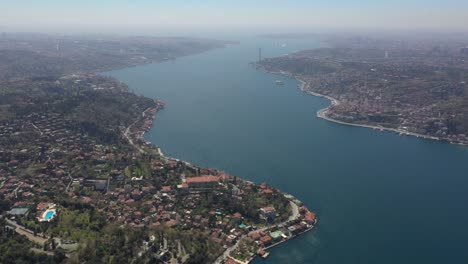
{"type": "Point", "coordinates": [262, 253]}
{"type": "Point", "coordinates": [279, 82]}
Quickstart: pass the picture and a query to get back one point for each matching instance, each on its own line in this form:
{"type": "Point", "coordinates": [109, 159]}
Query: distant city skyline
{"type": "Point", "coordinates": [241, 14]}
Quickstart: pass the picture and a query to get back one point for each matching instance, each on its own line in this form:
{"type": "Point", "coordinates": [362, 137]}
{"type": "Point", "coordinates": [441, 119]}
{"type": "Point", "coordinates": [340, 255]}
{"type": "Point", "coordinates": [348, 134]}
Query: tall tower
{"type": "Point", "coordinates": [259, 54]}
{"type": "Point", "coordinates": [386, 54]}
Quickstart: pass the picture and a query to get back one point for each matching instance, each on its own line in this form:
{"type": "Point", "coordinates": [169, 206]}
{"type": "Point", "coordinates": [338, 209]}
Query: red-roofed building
{"type": "Point", "coordinates": [266, 240]}
{"type": "Point", "coordinates": [237, 217]}
{"type": "Point", "coordinates": [230, 261]}
{"type": "Point", "coordinates": [42, 206]}
{"type": "Point", "coordinates": [172, 223]}
{"type": "Point", "coordinates": [205, 181]}
{"type": "Point", "coordinates": [309, 218]}
{"type": "Point", "coordinates": [255, 235]}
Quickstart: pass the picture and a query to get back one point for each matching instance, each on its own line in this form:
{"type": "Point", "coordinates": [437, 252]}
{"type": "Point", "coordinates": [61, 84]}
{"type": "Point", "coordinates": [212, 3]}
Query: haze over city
{"type": "Point", "coordinates": [266, 15]}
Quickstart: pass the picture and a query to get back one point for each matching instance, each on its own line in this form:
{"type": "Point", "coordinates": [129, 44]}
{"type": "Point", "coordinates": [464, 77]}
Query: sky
{"type": "Point", "coordinates": [297, 15]}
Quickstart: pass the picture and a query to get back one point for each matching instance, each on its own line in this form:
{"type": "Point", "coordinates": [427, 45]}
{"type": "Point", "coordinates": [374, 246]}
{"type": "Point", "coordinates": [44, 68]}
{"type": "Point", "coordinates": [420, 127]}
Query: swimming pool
{"type": "Point", "coordinates": [49, 215]}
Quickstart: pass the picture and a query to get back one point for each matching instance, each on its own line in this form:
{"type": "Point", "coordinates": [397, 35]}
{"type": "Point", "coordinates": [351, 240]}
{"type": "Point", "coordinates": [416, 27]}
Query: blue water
{"type": "Point", "coordinates": [380, 198]}
{"type": "Point", "coordinates": [49, 215]}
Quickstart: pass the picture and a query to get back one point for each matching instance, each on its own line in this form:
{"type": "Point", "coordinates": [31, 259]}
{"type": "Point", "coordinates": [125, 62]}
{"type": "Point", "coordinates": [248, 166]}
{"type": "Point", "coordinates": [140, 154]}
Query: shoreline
{"type": "Point", "coordinates": [146, 121]}
{"type": "Point", "coordinates": [322, 113]}
{"type": "Point", "coordinates": [295, 236]}
{"type": "Point", "coordinates": [248, 261]}
{"type": "Point", "coordinates": [293, 218]}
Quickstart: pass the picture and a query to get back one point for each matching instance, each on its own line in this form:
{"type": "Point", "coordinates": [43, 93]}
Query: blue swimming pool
{"type": "Point", "coordinates": [49, 215]}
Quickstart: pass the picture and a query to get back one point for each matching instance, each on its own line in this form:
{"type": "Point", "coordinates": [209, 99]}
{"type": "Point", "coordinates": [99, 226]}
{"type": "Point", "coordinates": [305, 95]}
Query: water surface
{"type": "Point", "coordinates": [380, 197]}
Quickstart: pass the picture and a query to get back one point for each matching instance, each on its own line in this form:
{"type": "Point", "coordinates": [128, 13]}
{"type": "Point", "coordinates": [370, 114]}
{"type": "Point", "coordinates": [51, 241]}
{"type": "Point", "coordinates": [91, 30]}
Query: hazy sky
{"type": "Point", "coordinates": [238, 14]}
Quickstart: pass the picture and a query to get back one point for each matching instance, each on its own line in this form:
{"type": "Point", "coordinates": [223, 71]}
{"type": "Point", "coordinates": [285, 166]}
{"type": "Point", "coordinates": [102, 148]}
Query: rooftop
{"type": "Point", "coordinates": [205, 178]}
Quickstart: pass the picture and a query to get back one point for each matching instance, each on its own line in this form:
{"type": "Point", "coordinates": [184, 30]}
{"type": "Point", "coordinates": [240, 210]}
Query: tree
{"type": "Point", "coordinates": [53, 244]}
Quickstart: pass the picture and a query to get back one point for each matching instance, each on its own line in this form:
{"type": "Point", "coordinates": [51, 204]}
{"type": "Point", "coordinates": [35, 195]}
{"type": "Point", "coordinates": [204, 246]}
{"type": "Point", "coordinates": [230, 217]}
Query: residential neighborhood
{"type": "Point", "coordinates": [65, 175]}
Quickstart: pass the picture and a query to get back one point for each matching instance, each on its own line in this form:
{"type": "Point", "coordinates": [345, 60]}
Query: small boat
{"type": "Point", "coordinates": [262, 253]}
{"type": "Point", "coordinates": [279, 82]}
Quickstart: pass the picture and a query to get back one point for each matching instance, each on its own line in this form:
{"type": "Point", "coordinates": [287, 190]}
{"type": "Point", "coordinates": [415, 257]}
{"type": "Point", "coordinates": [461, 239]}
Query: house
{"type": "Point", "coordinates": [276, 235]}
{"type": "Point", "coordinates": [292, 231]}
{"type": "Point", "coordinates": [295, 229]}
{"type": "Point", "coordinates": [310, 218]}
{"type": "Point", "coordinates": [266, 240]}
{"type": "Point", "coordinates": [45, 212]}
{"type": "Point", "coordinates": [268, 213]}
{"type": "Point", "coordinates": [237, 218]}
{"type": "Point", "coordinates": [166, 189]}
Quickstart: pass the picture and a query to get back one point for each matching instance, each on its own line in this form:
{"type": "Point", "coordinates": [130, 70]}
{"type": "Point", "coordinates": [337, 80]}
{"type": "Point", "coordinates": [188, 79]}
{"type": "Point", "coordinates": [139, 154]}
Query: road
{"type": "Point", "coordinates": [127, 131]}
{"type": "Point", "coordinates": [71, 181]}
{"type": "Point", "coordinates": [30, 234]}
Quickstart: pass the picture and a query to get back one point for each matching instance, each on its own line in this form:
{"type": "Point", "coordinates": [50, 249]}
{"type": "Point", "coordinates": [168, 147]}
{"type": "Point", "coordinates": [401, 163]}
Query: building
{"type": "Point", "coordinates": [268, 213]}
{"type": "Point", "coordinates": [183, 188]}
{"type": "Point", "coordinates": [292, 231]}
{"type": "Point", "coordinates": [100, 185]}
{"type": "Point", "coordinates": [46, 212]}
{"type": "Point", "coordinates": [309, 217]}
{"type": "Point", "coordinates": [21, 211]}
{"type": "Point", "coordinates": [97, 185]}
{"type": "Point", "coordinates": [203, 182]}
{"type": "Point", "coordinates": [266, 240]}
{"type": "Point", "coordinates": [166, 189]}
{"type": "Point", "coordinates": [237, 218]}
{"type": "Point", "coordinates": [276, 236]}
{"type": "Point", "coordinates": [296, 229]}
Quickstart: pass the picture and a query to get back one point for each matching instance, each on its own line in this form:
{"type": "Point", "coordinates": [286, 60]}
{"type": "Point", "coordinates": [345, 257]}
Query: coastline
{"type": "Point", "coordinates": [322, 113]}
{"type": "Point", "coordinates": [293, 218]}
{"type": "Point", "coordinates": [134, 134]}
